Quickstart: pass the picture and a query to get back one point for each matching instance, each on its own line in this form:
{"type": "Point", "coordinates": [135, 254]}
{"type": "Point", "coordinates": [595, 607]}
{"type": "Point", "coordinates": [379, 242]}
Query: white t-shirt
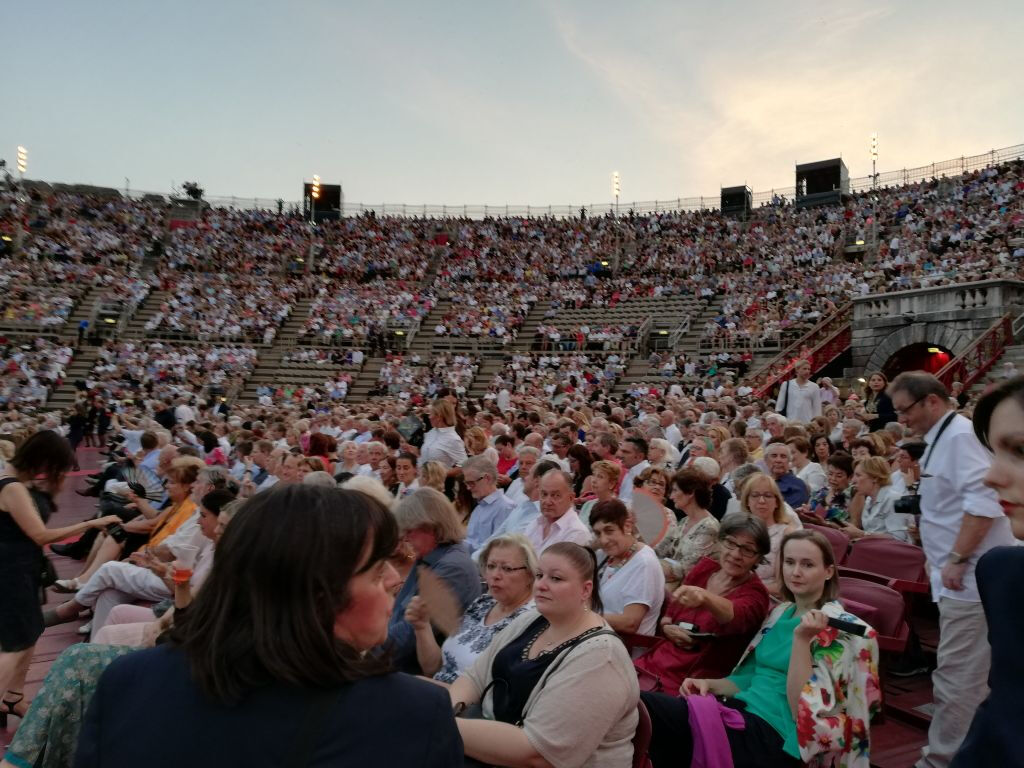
{"type": "Point", "coordinates": [640, 581]}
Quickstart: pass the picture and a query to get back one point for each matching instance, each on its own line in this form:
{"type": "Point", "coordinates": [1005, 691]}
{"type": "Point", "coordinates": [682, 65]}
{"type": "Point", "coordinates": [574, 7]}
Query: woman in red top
{"type": "Point", "coordinates": [723, 598]}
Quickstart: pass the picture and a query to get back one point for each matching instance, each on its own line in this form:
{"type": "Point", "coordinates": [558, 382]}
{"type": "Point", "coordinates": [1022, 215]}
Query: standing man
{"type": "Point", "coordinates": [633, 452]}
{"type": "Point", "coordinates": [799, 399]}
{"type": "Point", "coordinates": [961, 520]}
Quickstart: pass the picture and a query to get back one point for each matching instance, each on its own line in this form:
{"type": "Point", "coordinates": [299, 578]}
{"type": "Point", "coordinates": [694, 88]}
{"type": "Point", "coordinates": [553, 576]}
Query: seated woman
{"type": "Point", "coordinates": [761, 499]}
{"type": "Point", "coordinates": [693, 537]}
{"type": "Point", "coordinates": [138, 625]}
{"type": "Point", "coordinates": [149, 528]}
{"type": "Point", "coordinates": [509, 564]}
{"type": "Point", "coordinates": [831, 503]}
{"type": "Point", "coordinates": [430, 524]}
{"type": "Point", "coordinates": [604, 477]}
{"type": "Point", "coordinates": [872, 477]}
{"type": "Point", "coordinates": [550, 671]}
{"type": "Point", "coordinates": [721, 597]}
{"type": "Point", "coordinates": [301, 589]}
{"type": "Point", "coordinates": [802, 691]}
{"type": "Point", "coordinates": [49, 733]}
{"type": "Point", "coordinates": [632, 584]}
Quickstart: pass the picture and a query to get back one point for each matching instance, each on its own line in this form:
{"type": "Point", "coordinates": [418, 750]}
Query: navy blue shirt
{"type": "Point", "coordinates": [147, 711]}
{"type": "Point", "coordinates": [793, 489]}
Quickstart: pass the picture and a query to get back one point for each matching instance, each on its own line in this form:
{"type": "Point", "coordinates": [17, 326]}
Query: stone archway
{"type": "Point", "coordinates": [918, 333]}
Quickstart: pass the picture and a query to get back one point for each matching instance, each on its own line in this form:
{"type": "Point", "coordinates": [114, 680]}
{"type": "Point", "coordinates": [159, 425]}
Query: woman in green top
{"type": "Point", "coordinates": [765, 689]}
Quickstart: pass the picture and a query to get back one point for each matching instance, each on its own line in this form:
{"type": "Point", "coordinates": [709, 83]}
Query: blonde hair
{"type": "Point", "coordinates": [372, 487]}
{"type": "Point", "coordinates": [475, 440]}
{"type": "Point", "coordinates": [608, 469]}
{"type": "Point", "coordinates": [877, 468]}
{"type": "Point", "coordinates": [6, 450]}
{"type": "Point", "coordinates": [427, 508]}
{"type": "Point", "coordinates": [432, 474]}
{"type": "Point", "coordinates": [748, 487]}
{"type": "Point", "coordinates": [445, 411]}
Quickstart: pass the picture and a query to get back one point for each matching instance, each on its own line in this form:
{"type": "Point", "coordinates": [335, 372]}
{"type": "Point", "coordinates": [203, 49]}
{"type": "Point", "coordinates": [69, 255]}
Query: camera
{"type": "Point", "coordinates": [908, 505]}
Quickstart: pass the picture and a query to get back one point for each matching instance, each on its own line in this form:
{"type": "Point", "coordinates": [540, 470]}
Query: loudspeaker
{"type": "Point", "coordinates": [736, 201]}
{"type": "Point", "coordinates": [825, 182]}
{"type": "Point", "coordinates": [328, 205]}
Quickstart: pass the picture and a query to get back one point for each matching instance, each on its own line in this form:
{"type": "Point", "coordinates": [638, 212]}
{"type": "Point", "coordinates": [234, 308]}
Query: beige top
{"type": "Point", "coordinates": [586, 714]}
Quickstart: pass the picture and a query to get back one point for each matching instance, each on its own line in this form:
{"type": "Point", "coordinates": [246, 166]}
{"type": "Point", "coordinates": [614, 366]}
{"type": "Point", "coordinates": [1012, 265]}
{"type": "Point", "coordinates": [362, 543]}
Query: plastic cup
{"type": "Point", "coordinates": [185, 559]}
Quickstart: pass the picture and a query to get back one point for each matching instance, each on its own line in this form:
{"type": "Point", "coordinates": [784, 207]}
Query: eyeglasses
{"type": "Point", "coordinates": [505, 569]}
{"type": "Point", "coordinates": [902, 411]}
{"type": "Point", "coordinates": [732, 545]}
{"type": "Point", "coordinates": [469, 482]}
{"type": "Point", "coordinates": [762, 496]}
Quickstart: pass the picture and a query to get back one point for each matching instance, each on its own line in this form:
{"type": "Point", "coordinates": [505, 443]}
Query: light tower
{"type": "Point", "coordinates": [22, 161]}
{"type": "Point", "coordinates": [616, 189]}
{"type": "Point", "coordinates": [314, 195]}
{"type": "Point", "coordinates": [874, 160]}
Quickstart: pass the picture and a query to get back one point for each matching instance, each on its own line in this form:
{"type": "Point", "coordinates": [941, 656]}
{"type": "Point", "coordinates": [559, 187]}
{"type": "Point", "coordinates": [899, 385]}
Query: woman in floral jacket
{"type": "Point", "coordinates": [802, 693]}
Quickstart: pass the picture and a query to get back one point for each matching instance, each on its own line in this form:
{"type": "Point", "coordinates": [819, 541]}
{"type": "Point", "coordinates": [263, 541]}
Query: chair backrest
{"type": "Point", "coordinates": [642, 737]}
{"type": "Point", "coordinates": [890, 608]}
{"type": "Point", "coordinates": [840, 543]}
{"type": "Point", "coordinates": [888, 557]}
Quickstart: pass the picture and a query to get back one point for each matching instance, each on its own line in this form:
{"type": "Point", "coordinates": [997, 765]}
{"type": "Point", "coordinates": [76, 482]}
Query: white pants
{"type": "Point", "coordinates": [116, 583]}
{"type": "Point", "coordinates": [959, 683]}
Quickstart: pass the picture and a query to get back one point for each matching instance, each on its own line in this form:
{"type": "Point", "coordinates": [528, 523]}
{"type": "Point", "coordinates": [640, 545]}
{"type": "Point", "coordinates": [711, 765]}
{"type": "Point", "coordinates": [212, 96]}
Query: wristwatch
{"type": "Point", "coordinates": [957, 559]}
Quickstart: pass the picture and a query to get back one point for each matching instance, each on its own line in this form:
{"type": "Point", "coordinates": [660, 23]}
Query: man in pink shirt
{"type": "Point", "coordinates": [558, 520]}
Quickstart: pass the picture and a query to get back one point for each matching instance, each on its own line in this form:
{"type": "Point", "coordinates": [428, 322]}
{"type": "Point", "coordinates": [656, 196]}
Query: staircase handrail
{"type": "Point", "coordinates": [678, 332]}
{"type": "Point", "coordinates": [975, 361]}
{"type": "Point", "coordinates": [834, 323]}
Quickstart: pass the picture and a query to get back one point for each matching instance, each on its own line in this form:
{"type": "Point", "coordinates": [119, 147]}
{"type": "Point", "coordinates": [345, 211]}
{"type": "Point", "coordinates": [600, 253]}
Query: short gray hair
{"type": "Point", "coordinates": [741, 474]}
{"type": "Point", "coordinates": [523, 450]}
{"type": "Point", "coordinates": [482, 465]}
{"type": "Point", "coordinates": [427, 508]}
{"type": "Point", "coordinates": [741, 523]}
{"type": "Point", "coordinates": [918, 385]}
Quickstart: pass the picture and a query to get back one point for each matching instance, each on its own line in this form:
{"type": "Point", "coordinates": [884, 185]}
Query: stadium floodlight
{"type": "Point", "coordinates": [314, 195]}
{"type": "Point", "coordinates": [22, 160]}
{"type": "Point", "coordinates": [616, 189]}
{"type": "Point", "coordinates": [874, 160]}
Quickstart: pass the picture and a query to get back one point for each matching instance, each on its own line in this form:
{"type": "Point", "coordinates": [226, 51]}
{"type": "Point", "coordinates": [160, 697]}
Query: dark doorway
{"type": "Point", "coordinates": [917, 357]}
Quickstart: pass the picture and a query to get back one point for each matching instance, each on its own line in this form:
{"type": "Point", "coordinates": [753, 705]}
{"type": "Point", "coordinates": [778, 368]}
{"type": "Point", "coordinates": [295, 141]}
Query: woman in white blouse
{"type": "Point", "coordinates": [442, 443]}
{"type": "Point", "coordinates": [630, 577]}
{"type": "Point", "coordinates": [872, 478]}
{"type": "Point", "coordinates": [809, 471]}
{"type": "Point", "coordinates": [509, 565]}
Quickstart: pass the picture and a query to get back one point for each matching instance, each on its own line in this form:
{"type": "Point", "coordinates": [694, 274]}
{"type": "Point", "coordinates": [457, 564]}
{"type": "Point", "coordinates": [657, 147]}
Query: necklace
{"type": "Point", "coordinates": [621, 560]}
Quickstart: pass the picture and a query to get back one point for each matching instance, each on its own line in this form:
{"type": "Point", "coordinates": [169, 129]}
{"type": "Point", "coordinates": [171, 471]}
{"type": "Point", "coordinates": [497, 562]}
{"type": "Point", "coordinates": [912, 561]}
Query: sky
{"type": "Point", "coordinates": [521, 102]}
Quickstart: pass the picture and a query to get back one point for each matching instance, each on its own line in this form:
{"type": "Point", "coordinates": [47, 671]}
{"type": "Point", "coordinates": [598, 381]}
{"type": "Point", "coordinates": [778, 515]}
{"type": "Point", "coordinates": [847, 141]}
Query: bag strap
{"type": "Point", "coordinates": [556, 664]}
{"type": "Point", "coordinates": [311, 727]}
{"type": "Point", "coordinates": [931, 448]}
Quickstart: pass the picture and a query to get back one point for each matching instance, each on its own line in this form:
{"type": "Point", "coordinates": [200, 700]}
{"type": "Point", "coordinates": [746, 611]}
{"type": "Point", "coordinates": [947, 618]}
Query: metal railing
{"type": "Point", "coordinates": [975, 361]}
{"type": "Point", "coordinates": [777, 196]}
{"type": "Point", "coordinates": [814, 346]}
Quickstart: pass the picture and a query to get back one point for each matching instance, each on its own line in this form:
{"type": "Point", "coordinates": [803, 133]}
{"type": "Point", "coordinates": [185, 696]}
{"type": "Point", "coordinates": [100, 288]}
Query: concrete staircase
{"type": "Point", "coordinates": [1013, 354]}
{"type": "Point", "coordinates": [136, 327]}
{"type": "Point", "coordinates": [64, 396]}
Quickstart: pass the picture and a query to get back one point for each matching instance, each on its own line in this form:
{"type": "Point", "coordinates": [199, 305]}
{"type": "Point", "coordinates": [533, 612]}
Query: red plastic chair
{"type": "Point", "coordinates": [889, 610]}
{"type": "Point", "coordinates": [642, 737]}
{"type": "Point", "coordinates": [840, 543]}
{"type": "Point", "coordinates": [888, 561]}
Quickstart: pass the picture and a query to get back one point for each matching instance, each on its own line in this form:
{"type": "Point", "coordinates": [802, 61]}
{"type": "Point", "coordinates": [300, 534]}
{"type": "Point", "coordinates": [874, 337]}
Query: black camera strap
{"type": "Point", "coordinates": [931, 446]}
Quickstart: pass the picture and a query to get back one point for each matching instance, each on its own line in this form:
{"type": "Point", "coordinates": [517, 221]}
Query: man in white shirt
{"type": "Point", "coordinates": [799, 399]}
{"type": "Point", "coordinates": [633, 452]}
{"type": "Point", "coordinates": [667, 419]}
{"type": "Point", "coordinates": [558, 520]}
{"type": "Point", "coordinates": [183, 414]}
{"type": "Point", "coordinates": [960, 521]}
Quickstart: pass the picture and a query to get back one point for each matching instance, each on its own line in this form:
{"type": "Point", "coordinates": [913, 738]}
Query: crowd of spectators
{"type": "Point", "coordinates": [350, 313]}
{"type": "Point", "coordinates": [32, 369]}
{"type": "Point", "coordinates": [548, 375]}
{"type": "Point", "coordinates": [412, 379]}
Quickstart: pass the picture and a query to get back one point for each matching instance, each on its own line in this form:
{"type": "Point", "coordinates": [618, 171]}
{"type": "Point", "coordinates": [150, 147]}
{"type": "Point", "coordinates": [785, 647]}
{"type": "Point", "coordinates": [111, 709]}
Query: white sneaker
{"type": "Point", "coordinates": [67, 586]}
{"type": "Point", "coordinates": [85, 629]}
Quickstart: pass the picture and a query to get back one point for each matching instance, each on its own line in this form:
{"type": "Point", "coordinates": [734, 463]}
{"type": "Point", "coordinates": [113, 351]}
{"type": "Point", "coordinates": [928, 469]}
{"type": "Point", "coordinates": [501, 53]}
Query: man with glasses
{"type": "Point", "coordinates": [480, 477]}
{"type": "Point", "coordinates": [960, 521]}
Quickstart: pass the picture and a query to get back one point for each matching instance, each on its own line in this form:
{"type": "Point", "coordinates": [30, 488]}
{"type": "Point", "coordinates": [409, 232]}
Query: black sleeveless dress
{"type": "Point", "coordinates": [21, 561]}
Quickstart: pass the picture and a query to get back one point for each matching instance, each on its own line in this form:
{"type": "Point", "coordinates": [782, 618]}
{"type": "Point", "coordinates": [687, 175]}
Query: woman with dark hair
{"type": "Point", "coordinates": [549, 671]}
{"type": "Point", "coordinates": [694, 535]}
{"type": "Point", "coordinates": [632, 584]}
{"type": "Point", "coordinates": [877, 403]}
{"type": "Point", "coordinates": [822, 448]}
{"type": "Point", "coordinates": [802, 690]}
{"type": "Point", "coordinates": [269, 666]}
{"type": "Point", "coordinates": [580, 461]}
{"type": "Point", "coordinates": [994, 736]}
{"type": "Point", "coordinates": [32, 477]}
{"type": "Point", "coordinates": [323, 446]}
{"type": "Point", "coordinates": [712, 616]}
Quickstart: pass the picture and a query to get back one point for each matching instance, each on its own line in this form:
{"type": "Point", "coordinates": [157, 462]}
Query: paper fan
{"type": "Point", "coordinates": [652, 518]}
{"type": "Point", "coordinates": [441, 603]}
{"type": "Point", "coordinates": [142, 479]}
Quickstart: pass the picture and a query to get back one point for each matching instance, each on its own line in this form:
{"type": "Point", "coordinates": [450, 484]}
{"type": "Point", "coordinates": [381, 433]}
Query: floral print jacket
{"type": "Point", "coordinates": [837, 703]}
